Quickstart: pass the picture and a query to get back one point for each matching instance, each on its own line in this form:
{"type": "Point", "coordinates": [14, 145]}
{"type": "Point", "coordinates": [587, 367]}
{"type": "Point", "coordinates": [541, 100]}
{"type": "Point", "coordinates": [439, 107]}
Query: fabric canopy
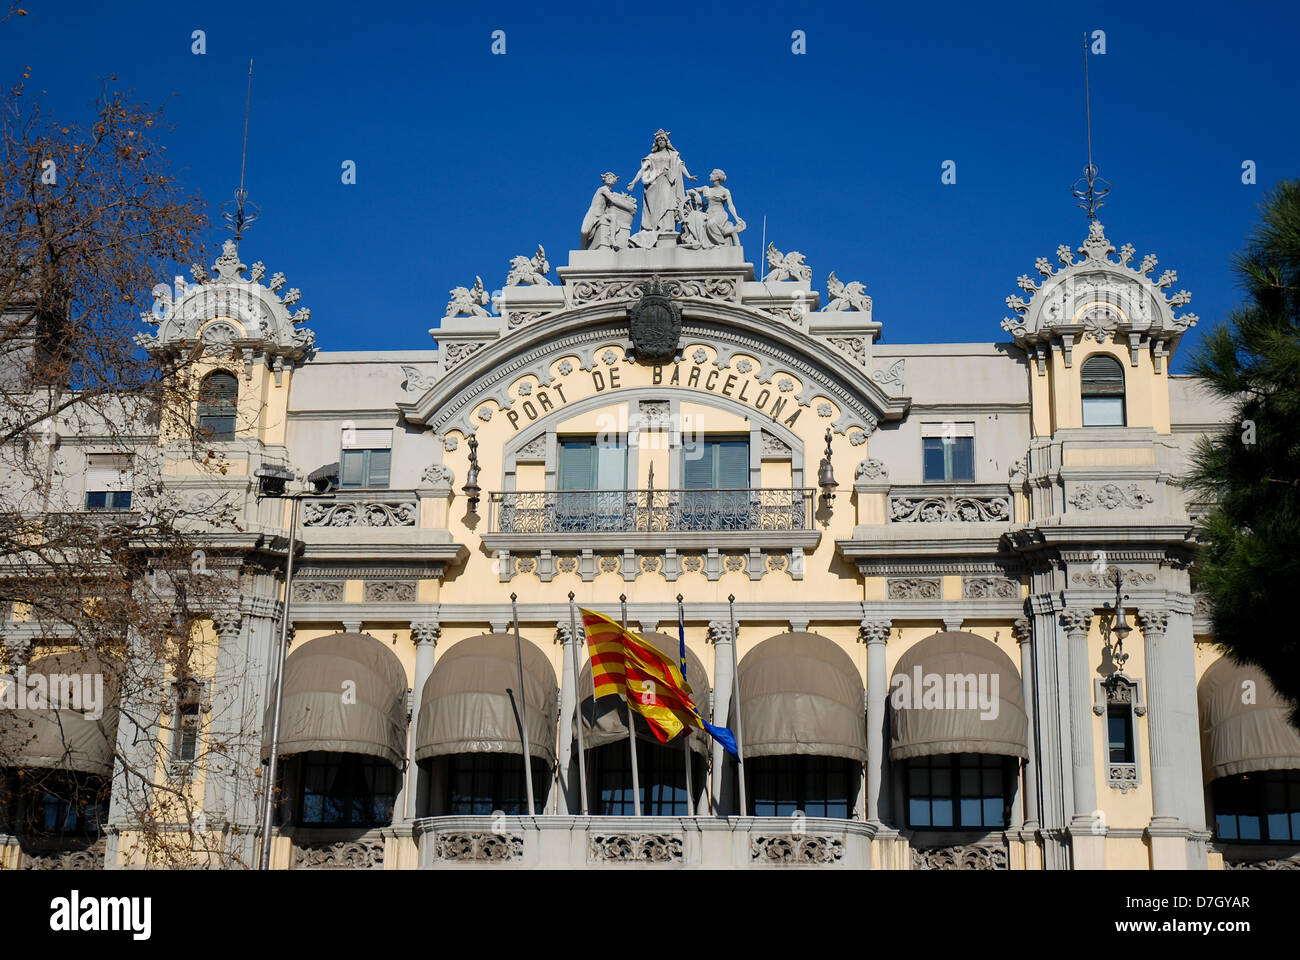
{"type": "Point", "coordinates": [345, 693]}
{"type": "Point", "coordinates": [469, 701]}
{"type": "Point", "coordinates": [56, 737]}
{"type": "Point", "coordinates": [935, 693]}
{"type": "Point", "coordinates": [605, 720]}
{"type": "Point", "coordinates": [801, 693]}
{"type": "Point", "coordinates": [1243, 722]}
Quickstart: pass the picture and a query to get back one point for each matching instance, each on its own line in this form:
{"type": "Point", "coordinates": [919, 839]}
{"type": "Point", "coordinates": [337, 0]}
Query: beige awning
{"type": "Point", "coordinates": [469, 701]}
{"type": "Point", "coordinates": [56, 737]}
{"type": "Point", "coordinates": [605, 720]}
{"type": "Point", "coordinates": [801, 693]}
{"type": "Point", "coordinates": [931, 717]}
{"type": "Point", "coordinates": [1243, 722]}
{"type": "Point", "coordinates": [345, 693]}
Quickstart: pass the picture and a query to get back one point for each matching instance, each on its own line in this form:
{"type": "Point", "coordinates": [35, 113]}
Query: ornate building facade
{"type": "Point", "coordinates": [897, 565]}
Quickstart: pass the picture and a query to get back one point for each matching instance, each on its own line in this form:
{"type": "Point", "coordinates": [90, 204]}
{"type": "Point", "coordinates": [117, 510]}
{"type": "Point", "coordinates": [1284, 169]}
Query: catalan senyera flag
{"type": "Point", "coordinates": [624, 663]}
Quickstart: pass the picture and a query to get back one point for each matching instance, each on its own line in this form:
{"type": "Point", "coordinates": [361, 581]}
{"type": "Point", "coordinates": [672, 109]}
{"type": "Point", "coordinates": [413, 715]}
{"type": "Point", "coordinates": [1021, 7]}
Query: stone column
{"type": "Point", "coordinates": [225, 723]}
{"type": "Point", "coordinates": [874, 633]}
{"type": "Point", "coordinates": [724, 768]}
{"type": "Point", "coordinates": [415, 788]}
{"type": "Point", "coordinates": [1166, 830]}
{"type": "Point", "coordinates": [1024, 634]}
{"type": "Point", "coordinates": [1051, 717]}
{"type": "Point", "coordinates": [1087, 833]}
{"type": "Point", "coordinates": [570, 801]}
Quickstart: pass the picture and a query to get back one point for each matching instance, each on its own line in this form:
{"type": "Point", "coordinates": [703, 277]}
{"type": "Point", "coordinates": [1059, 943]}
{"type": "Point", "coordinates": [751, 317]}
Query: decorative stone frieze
{"type": "Point", "coordinates": [634, 848]}
{"type": "Point", "coordinates": [989, 588]}
{"type": "Point", "coordinates": [438, 475]}
{"type": "Point", "coordinates": [1289, 863]}
{"type": "Point", "coordinates": [390, 591]}
{"type": "Point", "coordinates": [870, 469]}
{"type": "Point", "coordinates": [913, 588]}
{"type": "Point", "coordinates": [950, 508]}
{"type": "Point", "coordinates": [700, 288]}
{"type": "Point", "coordinates": [318, 591]}
{"type": "Point", "coordinates": [479, 847]}
{"type": "Point", "coordinates": [364, 854]}
{"type": "Point", "coordinates": [892, 375]}
{"type": "Point", "coordinates": [1109, 496]}
{"type": "Point", "coordinates": [961, 857]}
{"type": "Point", "coordinates": [1130, 578]}
{"type": "Point", "coordinates": [90, 858]}
{"type": "Point", "coordinates": [786, 849]}
{"type": "Point", "coordinates": [376, 511]}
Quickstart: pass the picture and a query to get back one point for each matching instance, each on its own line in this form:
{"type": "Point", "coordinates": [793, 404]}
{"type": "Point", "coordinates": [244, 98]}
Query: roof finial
{"type": "Point", "coordinates": [1090, 190]}
{"type": "Point", "coordinates": [244, 213]}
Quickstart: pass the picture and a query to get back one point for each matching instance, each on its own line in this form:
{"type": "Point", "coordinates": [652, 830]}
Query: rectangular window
{"type": "Point", "coordinates": [956, 791]}
{"type": "Point", "coordinates": [661, 771]}
{"type": "Point", "coordinates": [109, 479]}
{"type": "Point", "coordinates": [948, 452]}
{"type": "Point", "coordinates": [592, 483]}
{"type": "Point", "coordinates": [1119, 726]}
{"type": "Point", "coordinates": [716, 464]}
{"type": "Point", "coordinates": [367, 458]}
{"type": "Point", "coordinates": [482, 783]}
{"type": "Point", "coordinates": [819, 786]}
{"type": "Point", "coordinates": [346, 789]}
{"type": "Point", "coordinates": [1103, 411]}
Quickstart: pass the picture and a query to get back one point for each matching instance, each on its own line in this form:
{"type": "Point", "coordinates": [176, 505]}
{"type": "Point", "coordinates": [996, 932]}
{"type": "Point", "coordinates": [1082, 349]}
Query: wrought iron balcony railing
{"type": "Point", "coordinates": [650, 511]}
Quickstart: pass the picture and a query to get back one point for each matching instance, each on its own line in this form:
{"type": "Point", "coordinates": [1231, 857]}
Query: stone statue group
{"type": "Point", "coordinates": [705, 214]}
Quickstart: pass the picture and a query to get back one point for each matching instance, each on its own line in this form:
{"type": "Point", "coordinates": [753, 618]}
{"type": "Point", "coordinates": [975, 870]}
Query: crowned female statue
{"type": "Point", "coordinates": [661, 176]}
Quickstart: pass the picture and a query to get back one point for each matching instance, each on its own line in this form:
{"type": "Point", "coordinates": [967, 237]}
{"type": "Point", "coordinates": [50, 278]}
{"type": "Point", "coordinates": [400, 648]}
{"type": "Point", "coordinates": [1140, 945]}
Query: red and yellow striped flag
{"type": "Point", "coordinates": [625, 663]}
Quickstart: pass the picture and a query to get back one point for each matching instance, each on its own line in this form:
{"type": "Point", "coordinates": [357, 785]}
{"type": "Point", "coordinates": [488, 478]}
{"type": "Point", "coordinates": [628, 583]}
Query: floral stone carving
{"type": "Point", "coordinates": [634, 848]}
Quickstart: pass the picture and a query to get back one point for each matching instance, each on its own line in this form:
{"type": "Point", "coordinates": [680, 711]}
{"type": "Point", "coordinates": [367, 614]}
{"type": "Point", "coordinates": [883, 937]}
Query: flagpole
{"type": "Point", "coordinates": [631, 727]}
{"type": "Point", "coordinates": [686, 733]}
{"type": "Point", "coordinates": [577, 672]}
{"type": "Point", "coordinates": [523, 709]}
{"type": "Point", "coordinates": [735, 699]}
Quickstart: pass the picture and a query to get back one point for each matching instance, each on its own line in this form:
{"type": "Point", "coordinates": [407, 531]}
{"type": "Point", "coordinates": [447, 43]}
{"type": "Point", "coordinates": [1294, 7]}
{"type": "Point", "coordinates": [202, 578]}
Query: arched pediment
{"type": "Point", "coordinates": [782, 363]}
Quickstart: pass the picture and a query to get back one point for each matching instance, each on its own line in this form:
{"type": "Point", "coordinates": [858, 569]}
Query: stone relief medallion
{"type": "Point", "coordinates": [655, 325]}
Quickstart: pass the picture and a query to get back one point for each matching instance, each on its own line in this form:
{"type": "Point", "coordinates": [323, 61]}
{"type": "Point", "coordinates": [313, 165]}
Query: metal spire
{"type": "Point", "coordinates": [244, 213]}
{"type": "Point", "coordinates": [1090, 190]}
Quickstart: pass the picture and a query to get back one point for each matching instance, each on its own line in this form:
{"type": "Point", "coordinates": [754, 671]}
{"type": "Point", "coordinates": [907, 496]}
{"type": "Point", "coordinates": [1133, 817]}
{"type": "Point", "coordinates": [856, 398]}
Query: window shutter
{"type": "Point", "coordinates": [380, 468]}
{"type": "Point", "coordinates": [697, 465]}
{"type": "Point", "coordinates": [577, 465]}
{"type": "Point", "coordinates": [733, 465]}
{"type": "Point", "coordinates": [108, 472]}
{"type": "Point", "coordinates": [353, 468]}
{"type": "Point", "coordinates": [367, 439]}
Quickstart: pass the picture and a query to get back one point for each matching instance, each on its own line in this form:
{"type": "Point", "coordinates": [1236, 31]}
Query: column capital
{"type": "Point", "coordinates": [19, 649]}
{"type": "Point", "coordinates": [1076, 620]}
{"type": "Point", "coordinates": [1153, 621]}
{"type": "Point", "coordinates": [874, 631]}
{"type": "Point", "coordinates": [563, 635]}
{"type": "Point", "coordinates": [426, 631]}
{"type": "Point", "coordinates": [227, 622]}
{"type": "Point", "coordinates": [1023, 630]}
{"type": "Point", "coordinates": [719, 632]}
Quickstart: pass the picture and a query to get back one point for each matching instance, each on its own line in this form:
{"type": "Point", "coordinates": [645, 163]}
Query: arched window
{"type": "Point", "coordinates": [1103, 392]}
{"type": "Point", "coordinates": [218, 395]}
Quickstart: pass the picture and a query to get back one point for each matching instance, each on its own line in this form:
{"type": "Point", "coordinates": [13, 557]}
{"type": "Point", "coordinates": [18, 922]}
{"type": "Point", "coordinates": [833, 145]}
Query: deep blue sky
{"type": "Point", "coordinates": [465, 159]}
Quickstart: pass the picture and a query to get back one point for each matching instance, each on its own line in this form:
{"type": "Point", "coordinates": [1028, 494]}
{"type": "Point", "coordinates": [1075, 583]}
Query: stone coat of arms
{"type": "Point", "coordinates": [654, 324]}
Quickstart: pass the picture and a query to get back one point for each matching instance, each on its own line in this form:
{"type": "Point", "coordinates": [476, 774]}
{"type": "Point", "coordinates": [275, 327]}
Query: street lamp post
{"type": "Point", "coordinates": [272, 482]}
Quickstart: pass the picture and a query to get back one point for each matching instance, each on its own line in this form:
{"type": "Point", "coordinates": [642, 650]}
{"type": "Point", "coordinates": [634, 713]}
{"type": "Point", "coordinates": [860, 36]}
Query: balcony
{"type": "Point", "coordinates": [651, 531]}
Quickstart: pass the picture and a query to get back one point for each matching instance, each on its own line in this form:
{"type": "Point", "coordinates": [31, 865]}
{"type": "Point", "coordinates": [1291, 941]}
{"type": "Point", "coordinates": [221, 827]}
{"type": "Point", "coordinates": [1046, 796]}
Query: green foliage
{"type": "Point", "coordinates": [1250, 563]}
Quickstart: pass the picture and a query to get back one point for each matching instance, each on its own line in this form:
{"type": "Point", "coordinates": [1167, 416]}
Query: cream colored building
{"type": "Point", "coordinates": [927, 671]}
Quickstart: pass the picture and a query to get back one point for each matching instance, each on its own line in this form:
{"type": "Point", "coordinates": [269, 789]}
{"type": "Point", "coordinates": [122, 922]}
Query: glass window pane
{"type": "Point", "coordinates": [577, 465]}
{"type": "Point", "coordinates": [970, 783]}
{"type": "Point", "coordinates": [611, 466]}
{"type": "Point", "coordinates": [942, 812]}
{"type": "Point", "coordinates": [1226, 826]}
{"type": "Point", "coordinates": [918, 812]}
{"type": "Point", "coordinates": [1248, 827]}
{"type": "Point", "coordinates": [933, 458]}
{"type": "Point", "coordinates": [1277, 826]}
{"type": "Point", "coordinates": [1103, 411]}
{"type": "Point", "coordinates": [963, 459]}
{"type": "Point", "coordinates": [993, 812]}
{"type": "Point", "coordinates": [970, 812]}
